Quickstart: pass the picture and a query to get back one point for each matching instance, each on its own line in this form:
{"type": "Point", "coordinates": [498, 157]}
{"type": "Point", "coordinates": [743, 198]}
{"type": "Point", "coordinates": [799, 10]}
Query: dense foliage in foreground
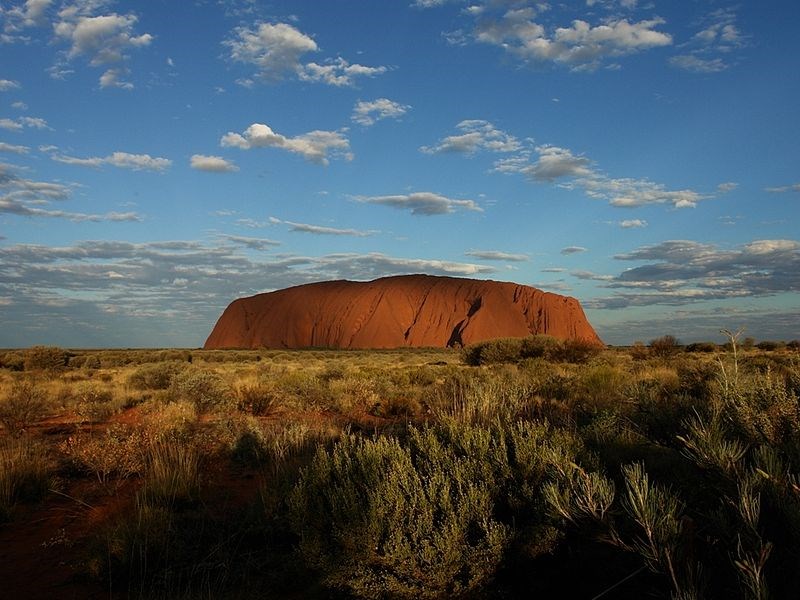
{"type": "Point", "coordinates": [516, 468]}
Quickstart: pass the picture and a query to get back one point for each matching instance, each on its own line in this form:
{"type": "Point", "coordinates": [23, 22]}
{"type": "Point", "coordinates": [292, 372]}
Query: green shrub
{"type": "Point", "coordinates": [577, 351]}
{"type": "Point", "coordinates": [24, 404]}
{"type": "Point", "coordinates": [376, 526]}
{"type": "Point", "coordinates": [205, 388]}
{"type": "Point", "coordinates": [45, 358]}
{"type": "Point", "coordinates": [430, 517]}
{"type": "Point", "coordinates": [111, 456]}
{"type": "Point", "coordinates": [156, 376]}
{"type": "Point", "coordinates": [665, 346]}
{"type": "Point", "coordinates": [94, 403]}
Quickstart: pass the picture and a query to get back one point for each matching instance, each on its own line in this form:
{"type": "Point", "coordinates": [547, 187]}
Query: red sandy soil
{"type": "Point", "coordinates": [394, 312]}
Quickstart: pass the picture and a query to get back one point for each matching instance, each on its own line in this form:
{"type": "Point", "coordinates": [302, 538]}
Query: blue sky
{"type": "Point", "coordinates": [160, 159]}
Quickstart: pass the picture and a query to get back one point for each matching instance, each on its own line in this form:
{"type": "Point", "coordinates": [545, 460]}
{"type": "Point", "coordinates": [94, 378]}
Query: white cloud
{"type": "Point", "coordinates": [111, 78]}
{"type": "Point", "coordinates": [315, 146]}
{"type": "Point", "coordinates": [368, 113]}
{"type": "Point", "coordinates": [19, 105]}
{"type": "Point", "coordinates": [22, 122]}
{"type": "Point", "coordinates": [4, 147]}
{"type": "Point", "coordinates": [123, 160]}
{"type": "Point", "coordinates": [422, 203]}
{"type": "Point", "coordinates": [712, 49]}
{"type": "Point", "coordinates": [32, 13]}
{"type": "Point", "coordinates": [580, 46]}
{"type": "Point", "coordinates": [212, 164]}
{"type": "Point", "coordinates": [476, 135]}
{"type": "Point", "coordinates": [632, 223]}
{"type": "Point", "coordinates": [276, 51]}
{"type": "Point", "coordinates": [497, 255]}
{"type": "Point", "coordinates": [795, 187]}
{"type": "Point", "coordinates": [103, 39]}
{"type": "Point", "coordinates": [728, 186]}
{"type": "Point", "coordinates": [549, 164]}
{"type": "Point", "coordinates": [337, 72]}
{"type": "Point", "coordinates": [7, 85]}
{"type": "Point", "coordinates": [252, 243]}
{"type": "Point", "coordinates": [697, 64]}
{"type": "Point", "coordinates": [320, 229]}
{"type": "Point", "coordinates": [573, 250]}
{"type": "Point", "coordinates": [680, 272]}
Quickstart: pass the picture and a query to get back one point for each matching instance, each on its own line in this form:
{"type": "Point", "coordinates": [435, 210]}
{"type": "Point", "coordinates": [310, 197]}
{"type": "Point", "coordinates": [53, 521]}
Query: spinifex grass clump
{"type": "Point", "coordinates": [172, 474]}
{"type": "Point", "coordinates": [25, 473]}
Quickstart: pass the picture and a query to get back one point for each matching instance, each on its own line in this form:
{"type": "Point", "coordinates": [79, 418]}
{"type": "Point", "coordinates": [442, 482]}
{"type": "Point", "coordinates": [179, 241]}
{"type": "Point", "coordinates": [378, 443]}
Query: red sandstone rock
{"type": "Point", "coordinates": [392, 312]}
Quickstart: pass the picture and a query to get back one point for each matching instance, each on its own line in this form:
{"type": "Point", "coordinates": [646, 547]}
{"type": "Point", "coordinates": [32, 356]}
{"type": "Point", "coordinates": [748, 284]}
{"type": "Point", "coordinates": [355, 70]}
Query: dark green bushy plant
{"type": "Point", "coordinates": [430, 517]}
{"type": "Point", "coordinates": [205, 388]}
{"type": "Point", "coordinates": [155, 376]}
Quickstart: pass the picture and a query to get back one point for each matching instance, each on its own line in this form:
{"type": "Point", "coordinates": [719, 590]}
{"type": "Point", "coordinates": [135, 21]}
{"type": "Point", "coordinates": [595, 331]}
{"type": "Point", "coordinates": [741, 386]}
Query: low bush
{"type": "Point", "coordinates": [114, 455]}
{"type": "Point", "coordinates": [24, 404]}
{"type": "Point", "coordinates": [664, 346]}
{"type": "Point", "coordinates": [206, 389]}
{"type": "Point", "coordinates": [45, 358]}
{"type": "Point", "coordinates": [157, 376]}
{"type": "Point", "coordinates": [431, 517]}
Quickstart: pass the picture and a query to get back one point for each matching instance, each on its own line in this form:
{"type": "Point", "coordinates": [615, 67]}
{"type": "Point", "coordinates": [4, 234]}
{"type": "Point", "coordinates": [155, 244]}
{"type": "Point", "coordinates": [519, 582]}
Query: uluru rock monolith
{"type": "Point", "coordinates": [395, 312]}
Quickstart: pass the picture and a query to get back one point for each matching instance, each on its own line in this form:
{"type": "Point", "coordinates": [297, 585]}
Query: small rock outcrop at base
{"type": "Point", "coordinates": [396, 312]}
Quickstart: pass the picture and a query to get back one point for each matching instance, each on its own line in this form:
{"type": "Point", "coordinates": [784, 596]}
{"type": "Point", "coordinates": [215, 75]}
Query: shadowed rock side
{"type": "Point", "coordinates": [392, 312]}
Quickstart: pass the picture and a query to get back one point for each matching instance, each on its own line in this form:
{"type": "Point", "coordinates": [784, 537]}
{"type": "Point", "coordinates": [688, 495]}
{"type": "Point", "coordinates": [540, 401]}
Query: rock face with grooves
{"type": "Point", "coordinates": [393, 312]}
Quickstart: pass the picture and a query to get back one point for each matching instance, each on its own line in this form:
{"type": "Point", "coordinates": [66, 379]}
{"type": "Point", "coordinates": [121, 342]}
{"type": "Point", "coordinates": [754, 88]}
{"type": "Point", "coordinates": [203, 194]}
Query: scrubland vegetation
{"type": "Point", "coordinates": [513, 468]}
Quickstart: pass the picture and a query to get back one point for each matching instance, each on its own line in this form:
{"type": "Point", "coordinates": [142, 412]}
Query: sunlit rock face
{"type": "Point", "coordinates": [395, 312]}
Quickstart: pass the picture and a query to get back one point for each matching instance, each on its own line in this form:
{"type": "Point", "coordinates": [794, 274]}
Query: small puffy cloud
{"type": "Point", "coordinates": [31, 13]}
{"type": "Point", "coordinates": [104, 39]}
{"type": "Point", "coordinates": [728, 186]}
{"type": "Point", "coordinates": [632, 223]}
{"type": "Point", "coordinates": [497, 255]}
{"type": "Point", "coordinates": [581, 46]}
{"type": "Point", "coordinates": [315, 146]}
{"type": "Point", "coordinates": [4, 147]}
{"type": "Point", "coordinates": [795, 187]}
{"type": "Point", "coordinates": [19, 105]}
{"type": "Point", "coordinates": [549, 164]}
{"type": "Point", "coordinates": [368, 113]}
{"type": "Point", "coordinates": [320, 229]}
{"type": "Point", "coordinates": [112, 79]}
{"type": "Point", "coordinates": [276, 51]}
{"type": "Point", "coordinates": [337, 72]}
{"type": "Point", "coordinates": [573, 250]}
{"type": "Point", "coordinates": [556, 163]}
{"type": "Point", "coordinates": [212, 164]}
{"type": "Point", "coordinates": [22, 122]}
{"type": "Point", "coordinates": [123, 160]}
{"type": "Point", "coordinates": [422, 203]}
{"type": "Point", "coordinates": [7, 85]}
{"type": "Point", "coordinates": [475, 135]}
